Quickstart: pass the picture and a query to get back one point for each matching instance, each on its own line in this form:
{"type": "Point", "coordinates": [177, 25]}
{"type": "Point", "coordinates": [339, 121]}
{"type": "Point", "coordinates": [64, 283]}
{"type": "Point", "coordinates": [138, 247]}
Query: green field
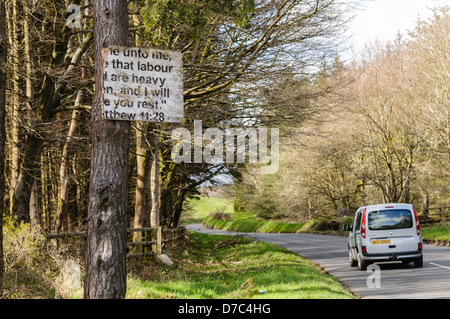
{"type": "Point", "coordinates": [195, 209]}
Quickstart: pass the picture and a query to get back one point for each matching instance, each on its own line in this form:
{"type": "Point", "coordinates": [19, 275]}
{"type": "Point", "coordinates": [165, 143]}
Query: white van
{"type": "Point", "coordinates": [385, 232]}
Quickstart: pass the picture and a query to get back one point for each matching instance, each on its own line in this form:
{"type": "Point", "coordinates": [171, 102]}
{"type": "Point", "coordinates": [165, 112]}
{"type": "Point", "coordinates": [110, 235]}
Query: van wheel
{"type": "Point", "coordinates": [353, 263]}
{"type": "Point", "coordinates": [418, 262]}
{"type": "Point", "coordinates": [362, 264]}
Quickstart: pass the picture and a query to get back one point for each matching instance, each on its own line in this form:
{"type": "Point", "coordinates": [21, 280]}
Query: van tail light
{"type": "Point", "coordinates": [417, 221]}
{"type": "Point", "coordinates": [363, 224]}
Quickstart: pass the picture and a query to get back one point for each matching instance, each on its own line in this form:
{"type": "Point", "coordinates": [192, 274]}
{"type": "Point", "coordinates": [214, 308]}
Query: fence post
{"type": "Point", "coordinates": [158, 241]}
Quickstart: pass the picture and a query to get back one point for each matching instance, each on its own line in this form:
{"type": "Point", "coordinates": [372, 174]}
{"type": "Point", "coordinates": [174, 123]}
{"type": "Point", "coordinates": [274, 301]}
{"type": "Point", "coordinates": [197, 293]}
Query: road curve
{"type": "Point", "coordinates": [396, 281]}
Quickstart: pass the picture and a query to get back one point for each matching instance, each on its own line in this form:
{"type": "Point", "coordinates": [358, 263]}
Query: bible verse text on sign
{"type": "Point", "coordinates": [142, 85]}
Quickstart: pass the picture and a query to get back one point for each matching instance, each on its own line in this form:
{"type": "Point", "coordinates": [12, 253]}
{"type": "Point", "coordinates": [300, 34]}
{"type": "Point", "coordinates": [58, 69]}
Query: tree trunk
{"type": "Point", "coordinates": [143, 203]}
{"type": "Point", "coordinates": [155, 182]}
{"type": "Point", "coordinates": [106, 228]}
{"type": "Point", "coordinates": [63, 174]}
{"type": "Point", "coordinates": [28, 172]}
{"type": "Point", "coordinates": [29, 93]}
{"type": "Point", "coordinates": [178, 207]}
{"type": "Point", "coordinates": [3, 52]}
{"type": "Point", "coordinates": [143, 191]}
{"type": "Point", "coordinates": [426, 203]}
{"type": "Point", "coordinates": [35, 219]}
{"type": "Point", "coordinates": [406, 192]}
{"type": "Point", "coordinates": [15, 102]}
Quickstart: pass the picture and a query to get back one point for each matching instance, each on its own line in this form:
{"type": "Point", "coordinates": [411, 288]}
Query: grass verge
{"type": "Point", "coordinates": [439, 232]}
{"type": "Point", "coordinates": [216, 267]}
{"type": "Point", "coordinates": [247, 222]}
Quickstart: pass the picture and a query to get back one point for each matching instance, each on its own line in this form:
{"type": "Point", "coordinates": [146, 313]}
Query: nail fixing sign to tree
{"type": "Point", "coordinates": [142, 85]}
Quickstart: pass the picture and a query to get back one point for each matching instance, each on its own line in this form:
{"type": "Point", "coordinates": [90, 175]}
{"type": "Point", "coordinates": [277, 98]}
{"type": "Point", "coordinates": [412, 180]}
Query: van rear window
{"type": "Point", "coordinates": [390, 219]}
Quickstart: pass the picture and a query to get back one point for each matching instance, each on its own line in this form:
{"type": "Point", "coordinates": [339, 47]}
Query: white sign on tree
{"type": "Point", "coordinates": [142, 85]}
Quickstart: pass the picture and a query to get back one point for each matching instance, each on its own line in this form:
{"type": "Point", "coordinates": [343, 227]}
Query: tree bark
{"type": "Point", "coordinates": [143, 191]}
{"type": "Point", "coordinates": [106, 228]}
{"type": "Point", "coordinates": [28, 172]}
{"type": "Point", "coordinates": [3, 53]}
{"type": "Point", "coordinates": [426, 202]}
{"type": "Point", "coordinates": [62, 212]}
{"type": "Point", "coordinates": [29, 93]}
{"type": "Point", "coordinates": [35, 217]}
{"type": "Point", "coordinates": [155, 182]}
{"type": "Point", "coordinates": [15, 102]}
{"type": "Point", "coordinates": [143, 203]}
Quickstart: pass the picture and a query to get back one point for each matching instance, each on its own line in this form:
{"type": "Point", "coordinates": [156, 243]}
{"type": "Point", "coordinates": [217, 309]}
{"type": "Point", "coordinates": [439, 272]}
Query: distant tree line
{"type": "Point", "coordinates": [380, 134]}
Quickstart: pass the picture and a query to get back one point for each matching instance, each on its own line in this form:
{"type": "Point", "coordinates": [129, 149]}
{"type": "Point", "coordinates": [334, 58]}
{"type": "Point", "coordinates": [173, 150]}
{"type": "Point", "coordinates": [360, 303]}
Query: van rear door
{"type": "Point", "coordinates": [391, 230]}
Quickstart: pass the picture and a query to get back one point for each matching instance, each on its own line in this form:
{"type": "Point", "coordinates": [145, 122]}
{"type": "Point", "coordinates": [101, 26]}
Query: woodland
{"type": "Point", "coordinates": [379, 133]}
{"type": "Point", "coordinates": [234, 54]}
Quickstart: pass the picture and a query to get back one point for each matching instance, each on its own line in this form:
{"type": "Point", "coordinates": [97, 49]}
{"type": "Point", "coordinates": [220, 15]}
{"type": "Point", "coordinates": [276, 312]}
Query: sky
{"type": "Point", "coordinates": [383, 19]}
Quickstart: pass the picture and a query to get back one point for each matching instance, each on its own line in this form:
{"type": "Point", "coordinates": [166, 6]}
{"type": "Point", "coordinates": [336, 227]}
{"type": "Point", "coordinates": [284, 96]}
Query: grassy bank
{"type": "Point", "coordinates": [217, 213]}
{"type": "Point", "coordinates": [247, 222]}
{"type": "Point", "coordinates": [440, 233]}
{"type": "Point", "coordinates": [216, 267]}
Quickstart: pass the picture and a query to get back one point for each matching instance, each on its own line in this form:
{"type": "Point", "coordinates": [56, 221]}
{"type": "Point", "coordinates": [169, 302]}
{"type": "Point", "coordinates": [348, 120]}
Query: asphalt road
{"type": "Point", "coordinates": [391, 281]}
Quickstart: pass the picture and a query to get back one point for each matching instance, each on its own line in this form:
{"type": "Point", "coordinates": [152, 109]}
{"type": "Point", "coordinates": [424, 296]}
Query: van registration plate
{"type": "Point", "coordinates": [381, 241]}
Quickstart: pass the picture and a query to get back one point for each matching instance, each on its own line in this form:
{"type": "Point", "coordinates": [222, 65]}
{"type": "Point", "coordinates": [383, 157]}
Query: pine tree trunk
{"type": "Point", "coordinates": [106, 228]}
{"type": "Point", "coordinates": [35, 217]}
{"type": "Point", "coordinates": [15, 102]}
{"type": "Point", "coordinates": [143, 192]}
{"type": "Point", "coordinates": [3, 53]}
{"type": "Point", "coordinates": [62, 211]}
{"type": "Point", "coordinates": [143, 204]}
{"type": "Point", "coordinates": [29, 92]}
{"type": "Point", "coordinates": [155, 183]}
{"type": "Point", "coordinates": [28, 172]}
